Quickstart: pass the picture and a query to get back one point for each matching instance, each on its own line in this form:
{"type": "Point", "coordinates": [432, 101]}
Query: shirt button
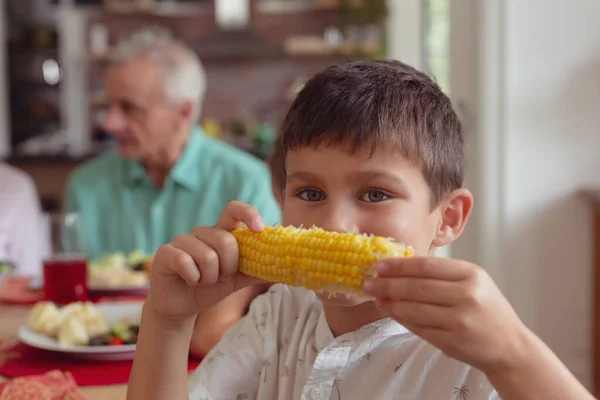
{"type": "Point", "coordinates": [316, 393]}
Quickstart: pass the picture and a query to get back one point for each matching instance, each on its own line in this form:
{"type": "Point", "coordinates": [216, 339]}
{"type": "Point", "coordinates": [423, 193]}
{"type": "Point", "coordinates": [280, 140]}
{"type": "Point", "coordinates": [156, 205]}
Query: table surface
{"type": "Point", "coordinates": [15, 316]}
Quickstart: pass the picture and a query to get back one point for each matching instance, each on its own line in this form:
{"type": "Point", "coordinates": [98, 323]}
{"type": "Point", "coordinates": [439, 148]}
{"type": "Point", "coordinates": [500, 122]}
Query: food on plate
{"type": "Point", "coordinates": [136, 260]}
{"type": "Point", "coordinates": [79, 324]}
{"type": "Point", "coordinates": [42, 318]}
{"type": "Point", "coordinates": [47, 319]}
{"type": "Point", "coordinates": [148, 266]}
{"type": "Point", "coordinates": [6, 267]}
{"type": "Point", "coordinates": [72, 332]}
{"type": "Point", "coordinates": [72, 324]}
{"type": "Point", "coordinates": [115, 270]}
{"type": "Point", "coordinates": [115, 278]}
{"type": "Point", "coordinates": [124, 332]}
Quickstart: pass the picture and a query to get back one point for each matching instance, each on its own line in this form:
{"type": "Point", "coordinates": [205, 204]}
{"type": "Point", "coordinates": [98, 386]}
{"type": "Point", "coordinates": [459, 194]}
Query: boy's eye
{"type": "Point", "coordinates": [374, 196]}
{"type": "Point", "coordinates": [311, 195]}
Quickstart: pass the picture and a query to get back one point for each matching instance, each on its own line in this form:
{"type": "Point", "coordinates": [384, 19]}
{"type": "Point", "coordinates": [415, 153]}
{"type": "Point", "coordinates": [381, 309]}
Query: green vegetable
{"type": "Point", "coordinates": [121, 330]}
{"type": "Point", "coordinates": [5, 268]}
{"type": "Point", "coordinates": [136, 257]}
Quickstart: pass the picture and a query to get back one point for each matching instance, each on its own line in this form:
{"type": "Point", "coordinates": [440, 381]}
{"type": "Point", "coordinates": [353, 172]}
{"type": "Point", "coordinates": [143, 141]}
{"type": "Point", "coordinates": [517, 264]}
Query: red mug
{"type": "Point", "coordinates": [65, 278]}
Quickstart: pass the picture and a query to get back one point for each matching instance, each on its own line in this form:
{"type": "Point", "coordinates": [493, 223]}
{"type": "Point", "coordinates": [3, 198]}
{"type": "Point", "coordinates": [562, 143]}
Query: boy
{"type": "Point", "coordinates": [371, 147]}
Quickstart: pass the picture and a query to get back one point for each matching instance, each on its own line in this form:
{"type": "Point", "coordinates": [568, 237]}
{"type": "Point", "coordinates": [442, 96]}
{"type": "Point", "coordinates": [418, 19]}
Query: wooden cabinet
{"type": "Point", "coordinates": [593, 197]}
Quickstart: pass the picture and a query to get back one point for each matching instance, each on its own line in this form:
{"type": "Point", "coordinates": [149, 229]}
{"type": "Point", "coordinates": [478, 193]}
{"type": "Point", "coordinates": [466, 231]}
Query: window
{"type": "Point", "coordinates": [436, 26]}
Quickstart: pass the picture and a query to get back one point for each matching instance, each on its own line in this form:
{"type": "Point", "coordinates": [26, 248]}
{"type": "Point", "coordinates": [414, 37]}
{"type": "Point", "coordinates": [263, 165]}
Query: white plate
{"type": "Point", "coordinates": [113, 312]}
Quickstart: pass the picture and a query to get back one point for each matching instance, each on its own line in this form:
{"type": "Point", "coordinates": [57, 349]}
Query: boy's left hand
{"type": "Point", "coordinates": [452, 304]}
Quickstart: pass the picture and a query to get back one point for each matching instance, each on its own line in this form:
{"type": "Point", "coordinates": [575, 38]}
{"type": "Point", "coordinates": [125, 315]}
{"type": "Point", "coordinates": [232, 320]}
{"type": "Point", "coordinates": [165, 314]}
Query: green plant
{"type": "Point", "coordinates": [362, 12]}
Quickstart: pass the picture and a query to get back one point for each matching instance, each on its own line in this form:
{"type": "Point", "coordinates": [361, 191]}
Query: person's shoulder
{"type": "Point", "coordinates": [96, 170]}
{"type": "Point", "coordinates": [233, 158]}
{"type": "Point", "coordinates": [15, 177]}
{"type": "Point", "coordinates": [19, 187]}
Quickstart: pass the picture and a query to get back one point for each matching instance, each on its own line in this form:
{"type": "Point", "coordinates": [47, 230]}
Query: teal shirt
{"type": "Point", "coordinates": [121, 210]}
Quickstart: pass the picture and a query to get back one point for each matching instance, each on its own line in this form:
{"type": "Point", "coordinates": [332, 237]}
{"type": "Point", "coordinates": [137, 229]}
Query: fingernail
{"type": "Point", "coordinates": [191, 283]}
{"type": "Point", "coordinates": [368, 286]}
{"type": "Point", "coordinates": [258, 224]}
{"type": "Point", "coordinates": [383, 267]}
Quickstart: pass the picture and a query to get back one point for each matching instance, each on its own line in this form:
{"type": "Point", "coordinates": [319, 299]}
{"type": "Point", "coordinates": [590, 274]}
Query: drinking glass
{"type": "Point", "coordinates": [65, 272]}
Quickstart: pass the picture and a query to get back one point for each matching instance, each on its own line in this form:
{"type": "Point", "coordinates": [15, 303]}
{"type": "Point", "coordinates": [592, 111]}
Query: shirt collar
{"type": "Point", "coordinates": [135, 173]}
{"type": "Point", "coordinates": [375, 330]}
{"type": "Point", "coordinates": [185, 172]}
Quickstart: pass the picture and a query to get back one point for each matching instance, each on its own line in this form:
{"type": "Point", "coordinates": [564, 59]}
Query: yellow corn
{"type": "Point", "coordinates": [320, 260]}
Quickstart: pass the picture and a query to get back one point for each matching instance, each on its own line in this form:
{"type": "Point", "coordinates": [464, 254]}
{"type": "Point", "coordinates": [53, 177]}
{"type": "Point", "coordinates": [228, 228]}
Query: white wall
{"type": "Point", "coordinates": [405, 31]}
{"type": "Point", "coordinates": [463, 90]}
{"type": "Point", "coordinates": [549, 119]}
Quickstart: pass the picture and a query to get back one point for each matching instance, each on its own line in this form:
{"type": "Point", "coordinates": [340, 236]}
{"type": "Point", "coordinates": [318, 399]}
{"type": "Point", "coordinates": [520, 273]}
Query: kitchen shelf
{"type": "Point", "coordinates": [168, 9]}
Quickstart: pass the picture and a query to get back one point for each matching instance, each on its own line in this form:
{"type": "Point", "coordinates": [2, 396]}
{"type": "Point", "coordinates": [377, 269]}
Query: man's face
{"type": "Point", "coordinates": [139, 116]}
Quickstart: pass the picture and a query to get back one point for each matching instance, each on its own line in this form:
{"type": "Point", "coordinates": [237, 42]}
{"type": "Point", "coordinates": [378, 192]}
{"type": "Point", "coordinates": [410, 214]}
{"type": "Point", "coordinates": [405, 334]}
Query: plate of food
{"type": "Point", "coordinates": [105, 331]}
{"type": "Point", "coordinates": [120, 274]}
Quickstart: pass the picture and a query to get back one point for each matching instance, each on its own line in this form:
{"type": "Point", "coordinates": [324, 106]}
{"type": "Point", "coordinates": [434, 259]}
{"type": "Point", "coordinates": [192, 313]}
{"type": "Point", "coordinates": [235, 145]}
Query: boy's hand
{"type": "Point", "coordinates": [199, 269]}
{"type": "Point", "coordinates": [452, 304]}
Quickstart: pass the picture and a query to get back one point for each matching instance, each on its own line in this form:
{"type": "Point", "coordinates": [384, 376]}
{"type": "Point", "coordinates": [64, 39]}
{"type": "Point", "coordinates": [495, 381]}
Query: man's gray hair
{"type": "Point", "coordinates": [184, 75]}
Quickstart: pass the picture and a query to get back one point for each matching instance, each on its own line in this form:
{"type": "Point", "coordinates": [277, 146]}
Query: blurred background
{"type": "Point", "coordinates": [524, 76]}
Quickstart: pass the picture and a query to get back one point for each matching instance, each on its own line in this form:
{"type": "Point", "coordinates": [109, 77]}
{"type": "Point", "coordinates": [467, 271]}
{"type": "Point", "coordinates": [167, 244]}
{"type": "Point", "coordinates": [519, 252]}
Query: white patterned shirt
{"type": "Point", "coordinates": [284, 349]}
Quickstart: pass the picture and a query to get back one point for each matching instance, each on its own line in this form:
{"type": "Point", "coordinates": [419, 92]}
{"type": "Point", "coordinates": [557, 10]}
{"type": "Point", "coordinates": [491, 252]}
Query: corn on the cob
{"type": "Point", "coordinates": [320, 260]}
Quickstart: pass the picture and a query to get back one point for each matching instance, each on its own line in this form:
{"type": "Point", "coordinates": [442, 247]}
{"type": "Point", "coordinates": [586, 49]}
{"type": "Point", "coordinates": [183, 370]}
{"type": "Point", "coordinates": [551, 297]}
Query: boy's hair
{"type": "Point", "coordinates": [381, 103]}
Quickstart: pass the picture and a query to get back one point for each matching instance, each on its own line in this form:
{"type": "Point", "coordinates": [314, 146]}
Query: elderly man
{"type": "Point", "coordinates": [166, 176]}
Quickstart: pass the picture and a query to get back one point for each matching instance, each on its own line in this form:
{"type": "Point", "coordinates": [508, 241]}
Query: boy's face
{"type": "Point", "coordinates": [380, 193]}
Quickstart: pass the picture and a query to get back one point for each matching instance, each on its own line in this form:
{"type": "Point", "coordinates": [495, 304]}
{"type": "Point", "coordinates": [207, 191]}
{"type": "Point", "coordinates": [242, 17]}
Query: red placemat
{"type": "Point", "coordinates": [24, 360]}
{"type": "Point", "coordinates": [15, 290]}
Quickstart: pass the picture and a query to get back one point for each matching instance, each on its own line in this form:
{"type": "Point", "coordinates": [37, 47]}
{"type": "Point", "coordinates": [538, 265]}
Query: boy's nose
{"type": "Point", "coordinates": [339, 221]}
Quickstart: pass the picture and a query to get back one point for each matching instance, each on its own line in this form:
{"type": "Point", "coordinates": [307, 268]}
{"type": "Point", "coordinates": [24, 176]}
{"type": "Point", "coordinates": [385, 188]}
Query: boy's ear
{"type": "Point", "coordinates": [455, 211]}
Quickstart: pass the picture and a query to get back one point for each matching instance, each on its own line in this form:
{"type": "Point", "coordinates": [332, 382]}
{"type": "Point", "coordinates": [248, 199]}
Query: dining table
{"type": "Point", "coordinates": [13, 317]}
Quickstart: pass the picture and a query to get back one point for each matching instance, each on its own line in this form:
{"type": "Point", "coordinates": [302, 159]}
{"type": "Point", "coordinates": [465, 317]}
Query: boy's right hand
{"type": "Point", "coordinates": [197, 270]}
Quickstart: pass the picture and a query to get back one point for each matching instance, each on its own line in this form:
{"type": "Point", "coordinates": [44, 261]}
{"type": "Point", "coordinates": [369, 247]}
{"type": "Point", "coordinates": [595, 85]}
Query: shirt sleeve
{"type": "Point", "coordinates": [263, 200]}
{"type": "Point", "coordinates": [231, 369]}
